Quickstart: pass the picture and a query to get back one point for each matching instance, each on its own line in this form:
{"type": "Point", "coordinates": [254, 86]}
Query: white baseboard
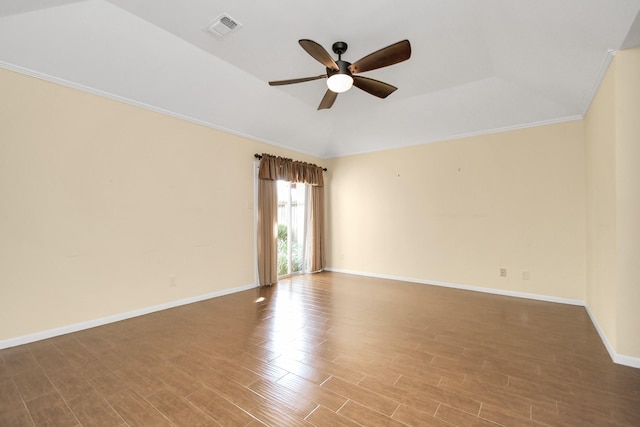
{"type": "Point", "coordinates": [620, 359]}
{"type": "Point", "coordinates": [50, 333]}
{"type": "Point", "coordinates": [538, 297]}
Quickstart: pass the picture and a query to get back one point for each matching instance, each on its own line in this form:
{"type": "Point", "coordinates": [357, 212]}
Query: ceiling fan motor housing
{"type": "Point", "coordinates": [343, 68]}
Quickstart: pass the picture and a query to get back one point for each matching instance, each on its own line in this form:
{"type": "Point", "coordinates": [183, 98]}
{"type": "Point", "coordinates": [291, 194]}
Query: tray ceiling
{"type": "Point", "coordinates": [476, 66]}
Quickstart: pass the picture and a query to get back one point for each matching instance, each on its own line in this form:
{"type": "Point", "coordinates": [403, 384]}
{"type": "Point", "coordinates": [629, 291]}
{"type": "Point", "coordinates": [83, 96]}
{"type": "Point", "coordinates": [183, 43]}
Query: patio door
{"type": "Point", "coordinates": [291, 227]}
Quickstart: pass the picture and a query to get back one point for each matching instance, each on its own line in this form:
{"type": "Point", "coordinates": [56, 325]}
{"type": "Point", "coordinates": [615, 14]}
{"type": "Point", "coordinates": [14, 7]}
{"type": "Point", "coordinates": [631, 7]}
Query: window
{"type": "Point", "coordinates": [291, 227]}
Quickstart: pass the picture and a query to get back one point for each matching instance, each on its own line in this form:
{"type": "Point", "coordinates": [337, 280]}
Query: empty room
{"type": "Point", "coordinates": [420, 213]}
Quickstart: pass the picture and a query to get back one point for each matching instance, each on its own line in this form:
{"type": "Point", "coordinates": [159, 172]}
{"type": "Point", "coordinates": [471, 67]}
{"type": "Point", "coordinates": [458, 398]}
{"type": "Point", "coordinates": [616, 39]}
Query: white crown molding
{"type": "Point", "coordinates": [128, 101]}
{"type": "Point", "coordinates": [134, 103]}
{"type": "Point", "coordinates": [606, 62]}
{"type": "Point", "coordinates": [490, 131]}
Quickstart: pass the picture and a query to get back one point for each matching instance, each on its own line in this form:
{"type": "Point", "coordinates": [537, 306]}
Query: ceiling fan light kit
{"type": "Point", "coordinates": [340, 74]}
{"type": "Point", "coordinates": [339, 83]}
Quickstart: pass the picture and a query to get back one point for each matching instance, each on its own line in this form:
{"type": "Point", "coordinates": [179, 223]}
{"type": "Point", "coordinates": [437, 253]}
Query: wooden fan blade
{"type": "Point", "coordinates": [384, 57]}
{"type": "Point", "coordinates": [327, 100]}
{"type": "Point", "coordinates": [318, 53]}
{"type": "Point", "coordinates": [374, 87]}
{"type": "Point", "coordinates": [300, 80]}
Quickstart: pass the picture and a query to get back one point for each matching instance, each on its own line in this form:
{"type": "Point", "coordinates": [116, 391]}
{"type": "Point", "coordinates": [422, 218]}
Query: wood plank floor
{"type": "Point", "coordinates": [327, 350]}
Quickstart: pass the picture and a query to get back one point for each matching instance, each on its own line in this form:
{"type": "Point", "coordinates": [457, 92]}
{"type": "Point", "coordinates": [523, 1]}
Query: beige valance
{"type": "Point", "coordinates": [275, 168]}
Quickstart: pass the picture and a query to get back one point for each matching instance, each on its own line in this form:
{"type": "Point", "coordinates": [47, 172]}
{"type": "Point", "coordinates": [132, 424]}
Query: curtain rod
{"type": "Point", "coordinates": [259, 156]}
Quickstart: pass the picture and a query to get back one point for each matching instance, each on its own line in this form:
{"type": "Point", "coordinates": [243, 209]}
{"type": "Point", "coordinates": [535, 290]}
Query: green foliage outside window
{"type": "Point", "coordinates": [283, 248]}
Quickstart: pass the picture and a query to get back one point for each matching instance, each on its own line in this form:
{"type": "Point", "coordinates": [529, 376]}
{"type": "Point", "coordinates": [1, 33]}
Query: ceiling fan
{"type": "Point", "coordinates": [341, 75]}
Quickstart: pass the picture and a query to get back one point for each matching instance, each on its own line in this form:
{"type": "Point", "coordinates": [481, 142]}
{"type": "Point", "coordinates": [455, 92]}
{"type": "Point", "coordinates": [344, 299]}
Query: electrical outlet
{"type": "Point", "coordinates": [503, 272]}
{"type": "Point", "coordinates": [173, 282]}
{"type": "Point", "coordinates": [525, 274]}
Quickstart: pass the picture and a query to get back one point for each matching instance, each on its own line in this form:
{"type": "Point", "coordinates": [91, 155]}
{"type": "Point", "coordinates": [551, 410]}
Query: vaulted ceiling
{"type": "Point", "coordinates": [477, 66]}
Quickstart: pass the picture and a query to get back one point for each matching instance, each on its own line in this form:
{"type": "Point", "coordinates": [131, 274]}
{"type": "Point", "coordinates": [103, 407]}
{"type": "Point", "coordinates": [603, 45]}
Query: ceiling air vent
{"type": "Point", "coordinates": [223, 25]}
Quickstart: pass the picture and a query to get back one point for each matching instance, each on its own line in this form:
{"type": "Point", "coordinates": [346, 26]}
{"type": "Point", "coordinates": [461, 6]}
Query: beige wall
{"type": "Point", "coordinates": [612, 129]}
{"type": "Point", "coordinates": [458, 211]}
{"type": "Point", "coordinates": [628, 199]}
{"type": "Point", "coordinates": [103, 206]}
{"type": "Point", "coordinates": [601, 206]}
{"type": "Point", "coordinates": [561, 201]}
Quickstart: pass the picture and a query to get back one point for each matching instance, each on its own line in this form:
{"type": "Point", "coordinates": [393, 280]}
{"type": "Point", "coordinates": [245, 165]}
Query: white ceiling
{"type": "Point", "coordinates": [477, 66]}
